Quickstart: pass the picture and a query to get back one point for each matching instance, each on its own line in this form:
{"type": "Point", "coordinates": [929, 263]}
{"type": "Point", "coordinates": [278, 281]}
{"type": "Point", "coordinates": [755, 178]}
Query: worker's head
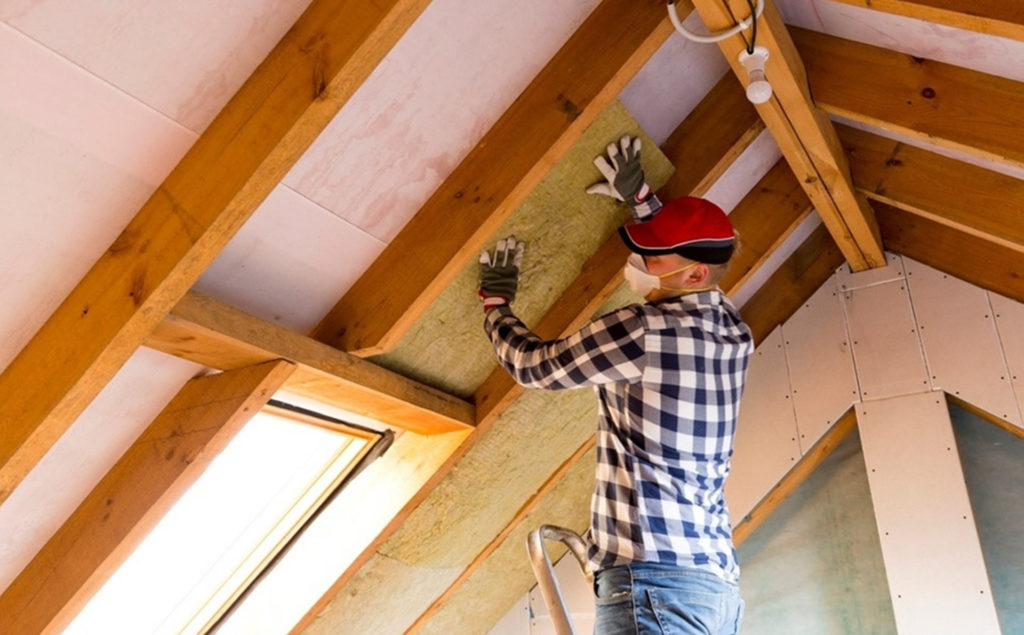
{"type": "Point", "coordinates": [685, 248]}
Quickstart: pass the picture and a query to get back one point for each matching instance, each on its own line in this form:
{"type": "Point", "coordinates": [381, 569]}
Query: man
{"type": "Point", "coordinates": [668, 376]}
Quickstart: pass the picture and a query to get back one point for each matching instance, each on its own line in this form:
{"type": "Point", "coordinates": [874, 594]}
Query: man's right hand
{"type": "Point", "coordinates": [624, 176]}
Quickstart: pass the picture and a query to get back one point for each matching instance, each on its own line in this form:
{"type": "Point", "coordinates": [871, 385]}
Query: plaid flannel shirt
{"type": "Point", "coordinates": [669, 376]}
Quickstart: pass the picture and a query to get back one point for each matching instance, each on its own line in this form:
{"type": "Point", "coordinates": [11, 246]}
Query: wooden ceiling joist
{"type": "Point", "coordinates": [804, 133]}
{"type": "Point", "coordinates": [981, 262]}
{"type": "Point", "coordinates": [178, 232]}
{"type": "Point", "coordinates": [987, 204]}
{"type": "Point", "coordinates": [134, 495]}
{"type": "Point", "coordinates": [1004, 18]}
{"type": "Point", "coordinates": [600, 276]}
{"type": "Point", "coordinates": [933, 102]}
{"type": "Point", "coordinates": [211, 333]}
{"type": "Point", "coordinates": [451, 228]}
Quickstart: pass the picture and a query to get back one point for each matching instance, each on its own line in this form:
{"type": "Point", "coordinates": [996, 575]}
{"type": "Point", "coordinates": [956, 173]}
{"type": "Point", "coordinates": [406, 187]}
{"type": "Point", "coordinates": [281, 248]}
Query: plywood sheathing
{"type": "Point", "coordinates": [474, 502]}
{"type": "Point", "coordinates": [499, 582]}
{"type": "Point", "coordinates": [561, 225]}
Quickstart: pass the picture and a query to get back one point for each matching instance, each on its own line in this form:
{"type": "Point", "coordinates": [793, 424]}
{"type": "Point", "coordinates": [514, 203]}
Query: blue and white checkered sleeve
{"type": "Point", "coordinates": [609, 349]}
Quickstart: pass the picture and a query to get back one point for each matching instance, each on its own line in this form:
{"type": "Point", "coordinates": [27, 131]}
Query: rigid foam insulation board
{"type": "Point", "coordinates": [766, 443]}
{"type": "Point", "coordinates": [561, 226]}
{"type": "Point", "coordinates": [961, 345]}
{"type": "Point", "coordinates": [815, 565]}
{"type": "Point", "coordinates": [506, 574]}
{"type": "Point", "coordinates": [886, 349]}
{"type": "Point", "coordinates": [820, 364]}
{"type": "Point", "coordinates": [1010, 323]}
{"type": "Point", "coordinates": [467, 509]}
{"type": "Point", "coordinates": [993, 462]}
{"type": "Point", "coordinates": [938, 582]}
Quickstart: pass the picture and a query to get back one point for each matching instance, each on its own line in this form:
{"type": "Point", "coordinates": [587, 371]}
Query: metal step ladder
{"type": "Point", "coordinates": [545, 573]}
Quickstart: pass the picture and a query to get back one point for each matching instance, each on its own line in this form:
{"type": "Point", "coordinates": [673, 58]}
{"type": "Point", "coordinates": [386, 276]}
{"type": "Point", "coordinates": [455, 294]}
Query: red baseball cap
{"type": "Point", "coordinates": [692, 227]}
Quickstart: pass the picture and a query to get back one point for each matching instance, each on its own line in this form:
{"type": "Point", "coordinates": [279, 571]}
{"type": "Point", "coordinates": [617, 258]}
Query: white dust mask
{"type": "Point", "coordinates": [643, 281]}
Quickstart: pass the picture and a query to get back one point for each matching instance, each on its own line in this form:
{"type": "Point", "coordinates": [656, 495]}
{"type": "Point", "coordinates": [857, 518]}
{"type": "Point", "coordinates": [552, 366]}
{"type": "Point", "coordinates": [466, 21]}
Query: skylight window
{"type": "Point", "coordinates": [244, 508]}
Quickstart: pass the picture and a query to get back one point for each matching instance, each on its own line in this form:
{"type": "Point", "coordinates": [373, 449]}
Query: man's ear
{"type": "Point", "coordinates": [698, 275]}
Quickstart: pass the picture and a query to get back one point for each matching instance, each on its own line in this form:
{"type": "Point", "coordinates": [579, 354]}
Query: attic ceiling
{"type": "Point", "coordinates": [376, 150]}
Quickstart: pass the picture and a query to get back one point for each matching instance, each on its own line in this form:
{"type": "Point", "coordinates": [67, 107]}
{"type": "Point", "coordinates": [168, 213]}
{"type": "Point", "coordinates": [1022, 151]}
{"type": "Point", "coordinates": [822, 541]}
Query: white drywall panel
{"type": "Point", "coordinates": [933, 560]}
{"type": "Point", "coordinates": [821, 372]}
{"type": "Point", "coordinates": [886, 349]}
{"type": "Point", "coordinates": [578, 596]}
{"type": "Point", "coordinates": [766, 444]}
{"type": "Point", "coordinates": [516, 621]}
{"type": "Point", "coordinates": [961, 345]}
{"type": "Point", "coordinates": [1010, 324]}
{"type": "Point", "coordinates": [847, 280]}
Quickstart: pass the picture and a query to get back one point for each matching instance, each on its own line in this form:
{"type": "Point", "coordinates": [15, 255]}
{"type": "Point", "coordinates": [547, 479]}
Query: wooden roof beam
{"type": "Point", "coordinates": [1004, 18]}
{"type": "Point", "coordinates": [208, 332]}
{"type": "Point", "coordinates": [134, 495]}
{"type": "Point", "coordinates": [178, 232]}
{"type": "Point", "coordinates": [967, 198]}
{"type": "Point", "coordinates": [936, 103]}
{"type": "Point", "coordinates": [804, 133]}
{"type": "Point", "coordinates": [452, 227]}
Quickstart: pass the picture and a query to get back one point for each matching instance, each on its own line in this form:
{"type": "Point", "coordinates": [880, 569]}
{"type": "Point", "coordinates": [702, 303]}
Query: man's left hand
{"type": "Point", "coordinates": [499, 272]}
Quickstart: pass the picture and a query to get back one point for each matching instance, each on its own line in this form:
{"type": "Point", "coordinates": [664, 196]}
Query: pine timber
{"type": "Point", "coordinates": [765, 217]}
{"type": "Point", "coordinates": [599, 278]}
{"type": "Point", "coordinates": [982, 263]}
{"type": "Point", "coordinates": [792, 284]}
{"type": "Point", "coordinates": [802, 130]}
{"type": "Point", "coordinates": [521, 515]}
{"type": "Point", "coordinates": [453, 226]}
{"type": "Point", "coordinates": [998, 422]}
{"type": "Point", "coordinates": [1004, 18]}
{"type": "Point", "coordinates": [208, 332]}
{"type": "Point", "coordinates": [794, 478]}
{"type": "Point", "coordinates": [702, 147]}
{"type": "Point", "coordinates": [938, 103]}
{"type": "Point", "coordinates": [987, 204]}
{"type": "Point", "coordinates": [233, 166]}
{"type": "Point", "coordinates": [134, 495]}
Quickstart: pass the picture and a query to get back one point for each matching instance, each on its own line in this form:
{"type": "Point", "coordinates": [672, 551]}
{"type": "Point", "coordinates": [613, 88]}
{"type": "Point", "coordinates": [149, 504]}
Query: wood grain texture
{"type": "Point", "coordinates": [802, 130]}
{"type": "Point", "coordinates": [984, 203]}
{"type": "Point", "coordinates": [242, 155]}
{"type": "Point", "coordinates": [794, 478]}
{"type": "Point", "coordinates": [792, 284]}
{"type": "Point", "coordinates": [1004, 18]}
{"type": "Point", "coordinates": [954, 107]}
{"type": "Point", "coordinates": [453, 226]}
{"type": "Point", "coordinates": [766, 216]}
{"type": "Point", "coordinates": [978, 261]}
{"type": "Point", "coordinates": [130, 500]}
{"type": "Point", "coordinates": [211, 333]}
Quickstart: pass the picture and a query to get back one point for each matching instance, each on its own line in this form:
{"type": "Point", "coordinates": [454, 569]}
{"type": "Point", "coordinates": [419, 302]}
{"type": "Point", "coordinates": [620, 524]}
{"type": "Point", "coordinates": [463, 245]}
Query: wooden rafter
{"type": "Point", "coordinates": [804, 133]}
{"type": "Point", "coordinates": [983, 263]}
{"type": "Point", "coordinates": [971, 199]}
{"type": "Point", "coordinates": [1004, 18]}
{"type": "Point", "coordinates": [600, 276]}
{"type": "Point", "coordinates": [232, 167]}
{"type": "Point", "coordinates": [792, 284]}
{"type": "Point", "coordinates": [208, 332]}
{"type": "Point", "coordinates": [937, 103]}
{"type": "Point", "coordinates": [134, 495]}
{"type": "Point", "coordinates": [497, 176]}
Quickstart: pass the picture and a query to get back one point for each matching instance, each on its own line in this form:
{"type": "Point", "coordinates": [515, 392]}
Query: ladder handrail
{"type": "Point", "coordinates": [545, 573]}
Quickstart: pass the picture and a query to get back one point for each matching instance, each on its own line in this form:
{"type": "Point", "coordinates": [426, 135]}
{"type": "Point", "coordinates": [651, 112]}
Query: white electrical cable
{"type": "Point", "coordinates": [711, 38]}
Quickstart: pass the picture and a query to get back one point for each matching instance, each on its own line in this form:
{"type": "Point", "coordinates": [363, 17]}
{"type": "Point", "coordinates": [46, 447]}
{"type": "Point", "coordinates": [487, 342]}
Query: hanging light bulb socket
{"type": "Point", "coordinates": [758, 89]}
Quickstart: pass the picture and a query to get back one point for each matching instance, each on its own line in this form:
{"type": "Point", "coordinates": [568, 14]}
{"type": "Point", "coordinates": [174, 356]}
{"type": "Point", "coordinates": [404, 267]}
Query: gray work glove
{"type": "Point", "coordinates": [499, 273]}
{"type": "Point", "coordinates": [625, 178]}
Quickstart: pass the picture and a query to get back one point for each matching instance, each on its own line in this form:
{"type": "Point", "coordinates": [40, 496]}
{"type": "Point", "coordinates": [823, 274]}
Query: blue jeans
{"type": "Point", "coordinates": [642, 598]}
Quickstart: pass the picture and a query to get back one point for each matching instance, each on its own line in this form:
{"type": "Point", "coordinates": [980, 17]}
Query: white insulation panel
{"type": "Point", "coordinates": [1010, 324]}
{"type": "Point", "coordinates": [892, 271]}
{"type": "Point", "coordinates": [933, 558]}
{"type": "Point", "coordinates": [766, 434]}
{"type": "Point", "coordinates": [821, 373]}
{"type": "Point", "coordinates": [961, 344]}
{"type": "Point", "coordinates": [886, 349]}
